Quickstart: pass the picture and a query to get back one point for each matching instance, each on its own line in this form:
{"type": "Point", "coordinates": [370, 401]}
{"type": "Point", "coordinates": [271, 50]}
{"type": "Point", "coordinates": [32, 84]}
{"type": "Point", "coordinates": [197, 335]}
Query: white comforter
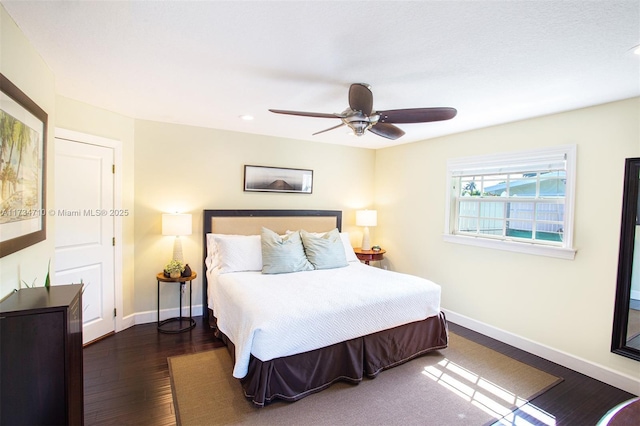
{"type": "Point", "coordinates": [272, 316]}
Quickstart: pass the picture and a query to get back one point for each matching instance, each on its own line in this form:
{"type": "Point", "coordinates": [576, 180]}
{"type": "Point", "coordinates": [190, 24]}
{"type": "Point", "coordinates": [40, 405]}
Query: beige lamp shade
{"type": "Point", "coordinates": [177, 224]}
{"type": "Point", "coordinates": [366, 218]}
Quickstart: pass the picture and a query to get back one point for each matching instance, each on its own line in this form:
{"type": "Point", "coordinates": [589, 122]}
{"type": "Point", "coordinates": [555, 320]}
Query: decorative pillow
{"type": "Point", "coordinates": [238, 253]}
{"type": "Point", "coordinates": [325, 252]}
{"type": "Point", "coordinates": [346, 242]}
{"type": "Point", "coordinates": [282, 254]}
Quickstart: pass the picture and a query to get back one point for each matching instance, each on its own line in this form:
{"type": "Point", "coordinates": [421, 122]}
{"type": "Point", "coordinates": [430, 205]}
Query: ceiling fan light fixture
{"type": "Point", "coordinates": [359, 127]}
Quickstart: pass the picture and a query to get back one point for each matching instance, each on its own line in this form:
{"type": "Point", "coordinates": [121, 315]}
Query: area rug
{"type": "Point", "coordinates": [465, 384]}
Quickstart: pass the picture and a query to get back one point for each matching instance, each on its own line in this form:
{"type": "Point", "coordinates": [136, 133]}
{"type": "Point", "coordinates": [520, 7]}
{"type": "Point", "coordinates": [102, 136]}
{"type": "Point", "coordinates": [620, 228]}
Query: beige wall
{"type": "Point", "coordinates": [84, 118]}
{"type": "Point", "coordinates": [22, 64]}
{"type": "Point", "coordinates": [188, 169]}
{"type": "Point", "coordinates": [562, 304]}
{"type": "Point", "coordinates": [24, 67]}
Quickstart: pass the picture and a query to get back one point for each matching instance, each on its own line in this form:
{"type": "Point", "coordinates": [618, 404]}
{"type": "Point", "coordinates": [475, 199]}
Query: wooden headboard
{"type": "Point", "coordinates": [250, 222]}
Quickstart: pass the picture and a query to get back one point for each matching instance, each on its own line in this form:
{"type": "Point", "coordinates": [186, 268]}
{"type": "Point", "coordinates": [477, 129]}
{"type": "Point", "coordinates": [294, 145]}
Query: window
{"type": "Point", "coordinates": [515, 201]}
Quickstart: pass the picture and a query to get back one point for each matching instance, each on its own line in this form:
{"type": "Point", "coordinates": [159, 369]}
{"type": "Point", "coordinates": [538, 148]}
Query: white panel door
{"type": "Point", "coordinates": [84, 230]}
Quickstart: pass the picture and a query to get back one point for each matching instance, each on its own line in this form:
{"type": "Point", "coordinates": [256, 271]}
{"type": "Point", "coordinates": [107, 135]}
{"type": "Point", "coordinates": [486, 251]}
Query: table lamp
{"type": "Point", "coordinates": [176, 224]}
{"type": "Point", "coordinates": [366, 218]}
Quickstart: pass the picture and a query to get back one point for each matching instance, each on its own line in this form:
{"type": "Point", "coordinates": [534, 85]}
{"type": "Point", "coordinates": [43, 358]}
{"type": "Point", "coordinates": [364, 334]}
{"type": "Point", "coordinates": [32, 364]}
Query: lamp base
{"type": "Point", "coordinates": [366, 243]}
{"type": "Point", "coordinates": [177, 250]}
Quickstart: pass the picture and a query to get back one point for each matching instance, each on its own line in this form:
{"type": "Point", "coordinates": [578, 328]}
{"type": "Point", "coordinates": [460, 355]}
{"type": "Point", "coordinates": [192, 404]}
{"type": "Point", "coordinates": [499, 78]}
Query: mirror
{"type": "Point", "coordinates": [626, 319]}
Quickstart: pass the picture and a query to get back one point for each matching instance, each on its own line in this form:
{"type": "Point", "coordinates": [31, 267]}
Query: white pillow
{"type": "Point", "coordinates": [348, 250]}
{"type": "Point", "coordinates": [212, 260]}
{"type": "Point", "coordinates": [238, 253]}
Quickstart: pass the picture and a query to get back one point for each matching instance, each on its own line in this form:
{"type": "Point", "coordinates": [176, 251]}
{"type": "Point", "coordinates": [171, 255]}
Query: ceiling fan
{"type": "Point", "coordinates": [361, 116]}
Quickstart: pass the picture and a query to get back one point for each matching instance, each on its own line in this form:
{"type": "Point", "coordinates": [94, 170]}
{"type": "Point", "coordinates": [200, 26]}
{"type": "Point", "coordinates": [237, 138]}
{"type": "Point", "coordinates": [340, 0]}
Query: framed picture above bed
{"type": "Point", "coordinates": [23, 136]}
{"type": "Point", "coordinates": [277, 179]}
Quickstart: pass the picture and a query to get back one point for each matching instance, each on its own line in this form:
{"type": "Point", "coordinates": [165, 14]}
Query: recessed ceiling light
{"type": "Point", "coordinates": [246, 117]}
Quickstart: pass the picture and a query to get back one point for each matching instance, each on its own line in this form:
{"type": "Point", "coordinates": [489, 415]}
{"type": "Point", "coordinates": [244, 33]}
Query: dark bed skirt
{"type": "Point", "coordinates": [294, 377]}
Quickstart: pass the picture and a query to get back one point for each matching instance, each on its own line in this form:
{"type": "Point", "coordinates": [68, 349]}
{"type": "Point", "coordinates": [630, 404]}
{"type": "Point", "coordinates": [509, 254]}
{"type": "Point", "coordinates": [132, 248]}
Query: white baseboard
{"type": "Point", "coordinates": [152, 316]}
{"type": "Point", "coordinates": [128, 321]}
{"type": "Point", "coordinates": [598, 372]}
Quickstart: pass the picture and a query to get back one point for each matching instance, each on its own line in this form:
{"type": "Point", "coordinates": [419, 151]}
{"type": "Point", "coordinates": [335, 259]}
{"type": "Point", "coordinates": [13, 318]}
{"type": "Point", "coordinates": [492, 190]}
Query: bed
{"type": "Point", "coordinates": [295, 333]}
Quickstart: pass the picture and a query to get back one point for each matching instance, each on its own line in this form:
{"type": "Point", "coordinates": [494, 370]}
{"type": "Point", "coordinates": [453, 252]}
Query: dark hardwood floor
{"type": "Point", "coordinates": [126, 380]}
{"type": "Point", "coordinates": [126, 376]}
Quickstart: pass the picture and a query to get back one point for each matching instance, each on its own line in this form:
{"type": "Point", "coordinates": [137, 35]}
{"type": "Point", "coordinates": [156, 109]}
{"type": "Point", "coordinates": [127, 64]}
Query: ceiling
{"type": "Point", "coordinates": [207, 63]}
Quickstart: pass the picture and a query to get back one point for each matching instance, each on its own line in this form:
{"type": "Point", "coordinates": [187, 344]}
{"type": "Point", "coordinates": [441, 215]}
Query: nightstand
{"type": "Point", "coordinates": [191, 323]}
{"type": "Point", "coordinates": [369, 255]}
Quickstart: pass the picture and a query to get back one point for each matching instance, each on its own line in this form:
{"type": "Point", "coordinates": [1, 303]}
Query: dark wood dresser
{"type": "Point", "coordinates": [41, 380]}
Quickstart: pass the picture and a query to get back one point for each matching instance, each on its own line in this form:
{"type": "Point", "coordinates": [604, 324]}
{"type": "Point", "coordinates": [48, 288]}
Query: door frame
{"type": "Point", "coordinates": [116, 145]}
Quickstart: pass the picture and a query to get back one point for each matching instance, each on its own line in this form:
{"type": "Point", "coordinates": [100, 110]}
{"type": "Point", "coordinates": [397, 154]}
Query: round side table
{"type": "Point", "coordinates": [190, 322]}
{"type": "Point", "coordinates": [369, 255]}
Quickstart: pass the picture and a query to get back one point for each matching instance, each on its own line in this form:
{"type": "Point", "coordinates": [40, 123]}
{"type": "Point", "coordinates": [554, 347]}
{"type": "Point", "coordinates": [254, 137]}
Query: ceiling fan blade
{"type": "Point", "coordinates": [330, 128]}
{"type": "Point", "coordinates": [386, 130]}
{"type": "Point", "coordinates": [416, 115]}
{"type": "Point", "coordinates": [306, 114]}
{"type": "Point", "coordinates": [361, 98]}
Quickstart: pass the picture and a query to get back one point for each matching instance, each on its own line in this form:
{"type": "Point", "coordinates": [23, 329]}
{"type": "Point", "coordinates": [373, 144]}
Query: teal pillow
{"type": "Point", "coordinates": [283, 254]}
{"type": "Point", "coordinates": [326, 251]}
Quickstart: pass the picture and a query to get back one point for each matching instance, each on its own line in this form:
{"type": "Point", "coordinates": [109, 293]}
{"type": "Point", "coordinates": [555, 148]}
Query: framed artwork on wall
{"type": "Point", "coordinates": [23, 139]}
{"type": "Point", "coordinates": [277, 179]}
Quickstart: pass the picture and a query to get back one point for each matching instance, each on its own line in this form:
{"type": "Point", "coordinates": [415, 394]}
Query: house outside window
{"type": "Point", "coordinates": [520, 201]}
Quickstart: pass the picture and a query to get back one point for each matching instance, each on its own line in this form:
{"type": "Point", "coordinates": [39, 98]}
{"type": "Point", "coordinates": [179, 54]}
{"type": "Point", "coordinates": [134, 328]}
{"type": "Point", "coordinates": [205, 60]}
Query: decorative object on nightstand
{"type": "Point", "coordinates": [177, 224]}
{"type": "Point", "coordinates": [174, 269]}
{"type": "Point", "coordinates": [366, 218]}
{"type": "Point", "coordinates": [187, 271]}
{"type": "Point", "coordinates": [369, 255]}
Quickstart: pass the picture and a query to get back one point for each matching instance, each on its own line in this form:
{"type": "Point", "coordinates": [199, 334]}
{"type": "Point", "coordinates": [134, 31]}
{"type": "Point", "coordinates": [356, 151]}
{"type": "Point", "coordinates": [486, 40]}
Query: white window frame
{"type": "Point", "coordinates": [505, 163]}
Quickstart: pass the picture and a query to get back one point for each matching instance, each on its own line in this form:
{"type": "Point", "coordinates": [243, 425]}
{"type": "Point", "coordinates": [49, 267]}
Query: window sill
{"type": "Point", "coordinates": [514, 246]}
